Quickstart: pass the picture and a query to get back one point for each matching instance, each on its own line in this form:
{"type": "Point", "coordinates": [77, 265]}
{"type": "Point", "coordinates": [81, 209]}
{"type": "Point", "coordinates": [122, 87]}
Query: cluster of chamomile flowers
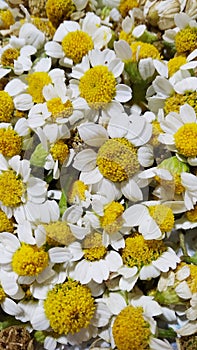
{"type": "Point", "coordinates": [98, 173]}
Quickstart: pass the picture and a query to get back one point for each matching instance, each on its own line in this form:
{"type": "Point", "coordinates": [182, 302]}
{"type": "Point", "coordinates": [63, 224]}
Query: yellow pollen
{"type": "Point", "coordinates": [191, 215]}
{"type": "Point", "coordinates": [6, 107]}
{"type": "Point", "coordinates": [29, 260]}
{"type": "Point", "coordinates": [6, 19]}
{"type": "Point", "coordinates": [45, 26]}
{"type": "Point", "coordinates": [11, 189]}
{"type": "Point", "coordinates": [117, 159]}
{"type": "Point", "coordinates": [2, 294]}
{"type": "Point", "coordinates": [58, 233]}
{"type": "Point", "coordinates": [76, 45]}
{"type": "Point", "coordinates": [59, 10]}
{"type": "Point", "coordinates": [93, 248]}
{"type": "Point", "coordinates": [156, 131]}
{"type": "Point", "coordinates": [69, 307]}
{"type": "Point", "coordinates": [6, 224]}
{"type": "Point", "coordinates": [140, 252]}
{"type": "Point", "coordinates": [175, 63]}
{"type": "Point", "coordinates": [60, 151]}
{"type": "Point", "coordinates": [59, 109]}
{"type": "Point", "coordinates": [192, 279]}
{"type": "Point", "coordinates": [185, 40]}
{"type": "Point", "coordinates": [8, 57]}
{"type": "Point", "coordinates": [186, 140]}
{"type": "Point", "coordinates": [36, 82]}
{"type": "Point", "coordinates": [127, 37]}
{"type": "Point", "coordinates": [98, 86]}
{"type": "Point", "coordinates": [174, 102]}
{"type": "Point", "coordinates": [130, 330]}
{"type": "Point", "coordinates": [126, 5]}
{"type": "Point", "coordinates": [142, 50]}
{"type": "Point", "coordinates": [112, 219]}
{"type": "Point", "coordinates": [10, 142]}
{"type": "Point", "coordinates": [163, 216]}
{"type": "Point", "coordinates": [77, 192]}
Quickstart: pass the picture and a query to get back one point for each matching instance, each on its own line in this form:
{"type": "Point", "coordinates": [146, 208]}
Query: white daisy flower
{"type": "Point", "coordinates": [14, 139]}
{"type": "Point", "coordinates": [23, 262]}
{"type": "Point", "coordinates": [180, 133]}
{"type": "Point", "coordinates": [153, 219]}
{"type": "Point", "coordinates": [133, 322]}
{"type": "Point", "coordinates": [8, 305]}
{"type": "Point", "coordinates": [60, 107]}
{"type": "Point", "coordinates": [188, 220]}
{"type": "Point", "coordinates": [94, 261]}
{"type": "Point", "coordinates": [95, 80]}
{"type": "Point", "coordinates": [73, 40]}
{"type": "Point", "coordinates": [18, 188]}
{"type": "Point", "coordinates": [66, 301]}
{"type": "Point", "coordinates": [183, 36]}
{"type": "Point", "coordinates": [172, 93]}
{"type": "Point", "coordinates": [116, 147]}
{"type": "Point", "coordinates": [144, 259]}
{"type": "Point", "coordinates": [182, 62]}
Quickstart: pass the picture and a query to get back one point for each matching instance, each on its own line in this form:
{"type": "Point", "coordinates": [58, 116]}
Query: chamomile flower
{"type": "Point", "coordinates": [182, 62]}
{"type": "Point", "coordinates": [152, 219]}
{"type": "Point", "coordinates": [184, 35]}
{"type": "Point", "coordinates": [172, 93]}
{"type": "Point", "coordinates": [24, 263]}
{"type": "Point", "coordinates": [144, 259]}
{"type": "Point", "coordinates": [116, 148]}
{"type": "Point", "coordinates": [18, 188]}
{"type": "Point", "coordinates": [133, 325]}
{"type": "Point", "coordinates": [180, 131]}
{"type": "Point", "coordinates": [8, 305]}
{"type": "Point", "coordinates": [12, 140]}
{"type": "Point", "coordinates": [73, 40]}
{"type": "Point", "coordinates": [96, 261]}
{"type": "Point", "coordinates": [95, 80]}
{"type": "Point", "coordinates": [71, 312]}
{"type": "Point", "coordinates": [188, 220]}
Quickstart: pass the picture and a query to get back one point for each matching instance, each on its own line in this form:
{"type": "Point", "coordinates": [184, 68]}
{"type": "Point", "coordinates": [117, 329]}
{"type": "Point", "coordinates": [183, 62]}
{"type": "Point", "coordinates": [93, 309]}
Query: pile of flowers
{"type": "Point", "coordinates": [98, 174]}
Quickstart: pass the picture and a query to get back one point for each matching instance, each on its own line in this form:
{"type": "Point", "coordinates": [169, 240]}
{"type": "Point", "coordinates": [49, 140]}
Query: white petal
{"type": "Point", "coordinates": [54, 49]}
{"type": "Point", "coordinates": [85, 160]}
{"type": "Point", "coordinates": [122, 50]}
{"type": "Point", "coordinates": [93, 134]}
{"type": "Point", "coordinates": [123, 93]}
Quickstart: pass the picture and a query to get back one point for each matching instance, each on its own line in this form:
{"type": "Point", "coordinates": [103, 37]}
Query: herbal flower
{"type": "Point", "coordinates": [77, 39]}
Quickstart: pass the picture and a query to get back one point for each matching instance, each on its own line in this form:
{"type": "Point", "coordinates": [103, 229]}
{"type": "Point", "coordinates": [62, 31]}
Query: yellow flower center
{"type": "Point", "coordinates": [69, 307]}
{"type": "Point", "coordinates": [6, 107]}
{"type": "Point", "coordinates": [156, 131]}
{"type": "Point", "coordinates": [11, 189]}
{"type": "Point", "coordinates": [192, 214]}
{"type": "Point", "coordinates": [6, 19]}
{"type": "Point", "coordinates": [186, 140]}
{"type": "Point", "coordinates": [126, 5]}
{"type": "Point", "coordinates": [10, 142]}
{"type": "Point", "coordinates": [185, 40]}
{"type": "Point", "coordinates": [140, 252]}
{"type": "Point", "coordinates": [59, 10]}
{"type": "Point", "coordinates": [2, 294]}
{"type": "Point", "coordinates": [6, 224]}
{"type": "Point", "coordinates": [130, 330]}
{"type": "Point", "coordinates": [8, 57]}
{"type": "Point", "coordinates": [192, 279]}
{"type": "Point", "coordinates": [142, 50]}
{"type": "Point", "coordinates": [175, 63]}
{"type": "Point", "coordinates": [58, 233]}
{"type": "Point", "coordinates": [174, 102]}
{"type": "Point", "coordinates": [59, 109]}
{"type": "Point", "coordinates": [98, 86]}
{"type": "Point", "coordinates": [45, 26]}
{"type": "Point", "coordinates": [112, 219]}
{"type": "Point", "coordinates": [163, 216]}
{"type": "Point", "coordinates": [127, 37]}
{"type": "Point", "coordinates": [36, 82]}
{"type": "Point", "coordinates": [77, 191]}
{"type": "Point", "coordinates": [29, 260]}
{"type": "Point", "coordinates": [93, 248]}
{"type": "Point", "coordinates": [117, 159]}
{"type": "Point", "coordinates": [60, 151]}
{"type": "Point", "coordinates": [76, 45]}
